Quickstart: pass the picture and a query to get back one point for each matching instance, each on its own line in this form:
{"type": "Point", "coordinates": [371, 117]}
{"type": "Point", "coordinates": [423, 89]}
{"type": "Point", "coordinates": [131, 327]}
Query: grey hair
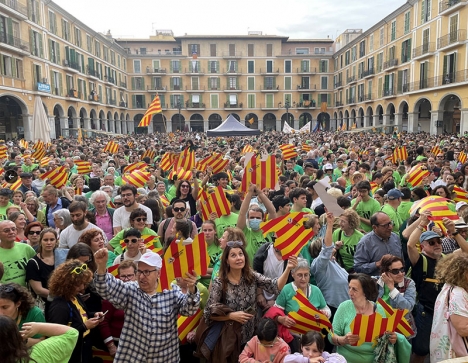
{"type": "Point", "coordinates": [99, 193]}
{"type": "Point", "coordinates": [301, 263]}
{"type": "Point", "coordinates": [153, 195]}
{"type": "Point", "coordinates": [63, 214]}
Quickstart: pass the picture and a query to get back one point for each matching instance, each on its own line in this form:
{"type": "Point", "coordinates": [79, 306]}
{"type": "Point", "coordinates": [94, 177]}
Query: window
{"type": "Point", "coordinates": [250, 66]}
{"type": "Point", "coordinates": [287, 83]}
{"type": "Point", "coordinates": [214, 83]}
{"type": "Point", "coordinates": [105, 53]}
{"type": "Point", "coordinates": [232, 82]}
{"type": "Point", "coordinates": [250, 50]}
{"type": "Point", "coordinates": [270, 101]}
{"type": "Point", "coordinates": [323, 66]}
{"type": "Point", "coordinates": [251, 101]}
{"type": "Point", "coordinates": [193, 49]}
{"type": "Point", "coordinates": [379, 62]}
{"type": "Point", "coordinates": [305, 83]}
{"type": "Point", "coordinates": [391, 53]}
{"type": "Point", "coordinates": [77, 37]}
{"type": "Point", "coordinates": [142, 51]}
{"type": "Point", "coordinates": [194, 66]}
{"type": "Point", "coordinates": [138, 83]}
{"type": "Point", "coordinates": [362, 49]}
{"type": "Point", "coordinates": [52, 23]}
{"type": "Point", "coordinates": [212, 50]}
{"type": "Point", "coordinates": [136, 66]}
{"type": "Point", "coordinates": [37, 48]}
{"type": "Point", "coordinates": [176, 83]}
{"type": "Point", "coordinates": [175, 66]}
{"type": "Point", "coordinates": [195, 83]}
{"type": "Point", "coordinates": [305, 66]}
{"type": "Point", "coordinates": [319, 50]}
{"type": "Point", "coordinates": [232, 50]}
{"type": "Point", "coordinates": [196, 100]}
{"type": "Point", "coordinates": [425, 11]}
{"type": "Point", "coordinates": [406, 51]}
{"type": "Point", "coordinates": [269, 50]}
{"type": "Point", "coordinates": [371, 43]}
{"type": "Point", "coordinates": [214, 101]}
{"type": "Point", "coordinates": [393, 31]}
{"type": "Point", "coordinates": [269, 66]}
{"type": "Point", "coordinates": [287, 66]}
{"type": "Point", "coordinates": [157, 83]}
{"type": "Point", "coordinates": [381, 35]}
{"type": "Point", "coordinates": [453, 28]}
{"type": "Point", "coordinates": [353, 53]}
{"type": "Point", "coordinates": [69, 82]}
{"type": "Point", "coordinates": [324, 82]}
{"type": "Point", "coordinates": [251, 83]}
{"type": "Point", "coordinates": [89, 43]}
{"type": "Point", "coordinates": [97, 49]}
{"type": "Point", "coordinates": [302, 50]}
{"type": "Point", "coordinates": [65, 30]}
{"type": "Point", "coordinates": [450, 68]}
{"type": "Point", "coordinates": [233, 100]}
{"type": "Point", "coordinates": [232, 66]}
{"type": "Point", "coordinates": [269, 82]}
{"type": "Point", "coordinates": [213, 66]}
{"type": "Point", "coordinates": [33, 11]}
{"type": "Point", "coordinates": [54, 51]}
{"type": "Point", "coordinates": [407, 22]}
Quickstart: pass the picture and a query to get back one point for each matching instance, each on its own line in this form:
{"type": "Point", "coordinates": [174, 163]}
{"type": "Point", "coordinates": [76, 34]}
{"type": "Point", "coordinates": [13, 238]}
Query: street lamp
{"type": "Point", "coordinates": [179, 106]}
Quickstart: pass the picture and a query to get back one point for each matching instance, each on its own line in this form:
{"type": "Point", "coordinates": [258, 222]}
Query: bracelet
{"type": "Point", "coordinates": [420, 228]}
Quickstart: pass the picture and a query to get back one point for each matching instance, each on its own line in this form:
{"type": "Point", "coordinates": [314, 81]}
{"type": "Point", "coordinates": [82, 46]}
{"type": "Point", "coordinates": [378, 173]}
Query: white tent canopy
{"type": "Point", "coordinates": [40, 121]}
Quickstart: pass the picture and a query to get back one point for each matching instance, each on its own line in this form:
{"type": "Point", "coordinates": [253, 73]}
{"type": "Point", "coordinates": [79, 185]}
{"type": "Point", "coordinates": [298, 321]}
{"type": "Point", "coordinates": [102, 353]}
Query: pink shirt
{"type": "Point", "coordinates": [105, 223]}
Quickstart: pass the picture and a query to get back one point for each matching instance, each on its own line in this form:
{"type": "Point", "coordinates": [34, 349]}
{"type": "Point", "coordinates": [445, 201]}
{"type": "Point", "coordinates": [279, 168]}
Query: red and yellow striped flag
{"type": "Point", "coordinates": [417, 174]}
{"type": "Point", "coordinates": [58, 177]}
{"type": "Point", "coordinates": [370, 327]}
{"type": "Point", "coordinates": [461, 195]}
{"type": "Point", "coordinates": [113, 270]}
{"type": "Point", "coordinates": [83, 167]}
{"type": "Point", "coordinates": [374, 187]}
{"type": "Point", "coordinates": [80, 136]}
{"type": "Point", "coordinates": [262, 173]}
{"type": "Point", "coordinates": [14, 186]}
{"type": "Point", "coordinates": [462, 157]}
{"type": "Point", "coordinates": [165, 202]}
{"type": "Point", "coordinates": [215, 202]}
{"type": "Point", "coordinates": [439, 207]}
{"type": "Point", "coordinates": [247, 149]}
{"type": "Point", "coordinates": [167, 161]}
{"type": "Point", "coordinates": [399, 154]}
{"type": "Point", "coordinates": [130, 144]}
{"type": "Point", "coordinates": [44, 162]}
{"type": "Point", "coordinates": [180, 259]}
{"type": "Point", "coordinates": [138, 178]}
{"type": "Point", "coordinates": [185, 324]}
{"type": "Point", "coordinates": [181, 174]}
{"type": "Point", "coordinates": [186, 160]}
{"type": "Point", "coordinates": [306, 147]}
{"type": "Point", "coordinates": [251, 120]}
{"type": "Point", "coordinates": [217, 162]}
{"type": "Point", "coordinates": [23, 144]}
{"type": "Point", "coordinates": [202, 164]}
{"type": "Point", "coordinates": [78, 191]}
{"type": "Point", "coordinates": [154, 108]}
{"type": "Point", "coordinates": [38, 154]}
{"type": "Point", "coordinates": [139, 165]}
{"type": "Point", "coordinates": [39, 145]}
{"type": "Point", "coordinates": [289, 151]}
{"type": "Point", "coordinates": [403, 327]}
{"type": "Point", "coordinates": [3, 151]}
{"type": "Point", "coordinates": [308, 317]}
{"type": "Point", "coordinates": [149, 154]}
{"type": "Point", "coordinates": [2, 171]}
{"type": "Point", "coordinates": [111, 147]}
{"type": "Point", "coordinates": [436, 150]}
{"type": "Point", "coordinates": [291, 235]}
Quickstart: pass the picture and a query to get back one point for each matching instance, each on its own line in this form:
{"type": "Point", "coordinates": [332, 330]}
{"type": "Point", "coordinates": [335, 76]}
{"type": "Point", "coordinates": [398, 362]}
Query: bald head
{"type": "Point", "coordinates": [7, 232]}
{"type": "Point", "coordinates": [341, 182]}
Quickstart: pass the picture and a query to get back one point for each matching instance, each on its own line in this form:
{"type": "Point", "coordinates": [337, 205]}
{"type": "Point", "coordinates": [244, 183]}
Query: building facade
{"type": "Point", "coordinates": [407, 72]}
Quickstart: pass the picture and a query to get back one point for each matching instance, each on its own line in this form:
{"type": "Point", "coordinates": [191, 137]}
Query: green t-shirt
{"type": "Point", "coordinates": [349, 246]}
{"type": "Point", "coordinates": [396, 177]}
{"type": "Point", "coordinates": [216, 267]}
{"type": "Point", "coordinates": [34, 315]}
{"type": "Point", "coordinates": [224, 222]}
{"type": "Point", "coordinates": [403, 210]}
{"type": "Point", "coordinates": [299, 169]}
{"type": "Point", "coordinates": [171, 193]}
{"type": "Point", "coordinates": [366, 210]}
{"type": "Point", "coordinates": [29, 168]}
{"type": "Point", "coordinates": [15, 261]}
{"type": "Point", "coordinates": [285, 298]}
{"type": "Point", "coordinates": [3, 215]}
{"type": "Point", "coordinates": [254, 240]}
{"type": "Point", "coordinates": [115, 242]}
{"type": "Point", "coordinates": [214, 252]}
{"type": "Point", "coordinates": [394, 217]}
{"type": "Point", "coordinates": [56, 349]}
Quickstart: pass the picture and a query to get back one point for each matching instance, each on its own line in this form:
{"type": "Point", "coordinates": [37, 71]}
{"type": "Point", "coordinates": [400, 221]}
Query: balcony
{"type": "Point", "coordinates": [271, 107]}
{"type": "Point", "coordinates": [368, 73]}
{"type": "Point", "coordinates": [194, 106]}
{"type": "Point", "coordinates": [388, 92]}
{"type": "Point", "coordinates": [269, 89]}
{"type": "Point", "coordinates": [232, 72]}
{"type": "Point", "coordinates": [368, 97]}
{"type": "Point", "coordinates": [195, 89]}
{"type": "Point", "coordinates": [15, 44]}
{"type": "Point", "coordinates": [194, 72]}
{"type": "Point", "coordinates": [351, 100]}
{"type": "Point", "coordinates": [392, 63]}
{"type": "Point", "coordinates": [451, 40]}
{"type": "Point", "coordinates": [307, 70]}
{"type": "Point", "coordinates": [94, 98]}
{"type": "Point", "coordinates": [339, 84]}
{"type": "Point", "coordinates": [93, 73]}
{"type": "Point", "coordinates": [306, 87]}
{"type": "Point", "coordinates": [265, 72]}
{"type": "Point", "coordinates": [155, 71]}
{"type": "Point", "coordinates": [73, 93]}
{"type": "Point", "coordinates": [72, 65]}
{"type": "Point", "coordinates": [404, 88]}
{"type": "Point", "coordinates": [112, 102]}
{"type": "Point", "coordinates": [13, 8]}
{"type": "Point", "coordinates": [232, 55]}
{"type": "Point", "coordinates": [233, 107]}
{"type": "Point", "coordinates": [305, 104]}
{"type": "Point", "coordinates": [439, 81]}
{"type": "Point", "coordinates": [122, 84]}
{"type": "Point", "coordinates": [123, 104]}
{"type": "Point", "coordinates": [352, 80]}
{"type": "Point", "coordinates": [449, 6]}
{"type": "Point", "coordinates": [423, 51]}
{"type": "Point", "coordinates": [338, 104]}
{"type": "Point", "coordinates": [233, 89]}
{"type": "Point", "coordinates": [159, 52]}
{"type": "Point", "coordinates": [156, 87]}
{"type": "Point", "coordinates": [109, 80]}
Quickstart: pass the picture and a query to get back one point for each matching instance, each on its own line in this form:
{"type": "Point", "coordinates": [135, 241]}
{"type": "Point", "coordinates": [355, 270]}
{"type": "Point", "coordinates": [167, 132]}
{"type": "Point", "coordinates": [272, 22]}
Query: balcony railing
{"type": "Point", "coordinates": [270, 71]}
{"type": "Point", "coordinates": [351, 100]}
{"type": "Point", "coordinates": [451, 38]}
{"type": "Point", "coordinates": [235, 105]}
{"type": "Point", "coordinates": [194, 71]}
{"type": "Point", "coordinates": [195, 88]}
{"type": "Point", "coordinates": [112, 102]}
{"type": "Point", "coordinates": [338, 104]}
{"type": "Point", "coordinates": [305, 104]}
{"type": "Point", "coordinates": [232, 88]}
{"type": "Point", "coordinates": [338, 84]}
{"type": "Point", "coordinates": [14, 42]}
{"type": "Point", "coordinates": [368, 97]}
{"type": "Point", "coordinates": [156, 87]}
{"type": "Point", "coordinates": [447, 4]}
{"type": "Point", "coordinates": [232, 54]}
{"type": "Point", "coordinates": [72, 65]}
{"type": "Point", "coordinates": [388, 92]}
{"type": "Point", "coordinates": [351, 79]}
{"type": "Point", "coordinates": [424, 49]}
{"type": "Point", "coordinates": [307, 70]}
{"type": "Point", "coordinates": [122, 104]}
{"type": "Point", "coordinates": [92, 72]}
{"type": "Point", "coordinates": [368, 72]}
{"type": "Point", "coordinates": [391, 63]}
{"type": "Point", "coordinates": [123, 84]}
{"type": "Point", "coordinates": [194, 105]}
{"type": "Point", "coordinates": [74, 93]}
{"type": "Point", "coordinates": [447, 79]}
{"type": "Point", "coordinates": [232, 71]}
{"type": "Point", "coordinates": [155, 70]}
{"type": "Point", "coordinates": [15, 6]}
{"type": "Point", "coordinates": [109, 79]}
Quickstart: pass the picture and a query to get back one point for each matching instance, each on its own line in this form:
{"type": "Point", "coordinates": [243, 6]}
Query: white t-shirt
{"type": "Point", "coordinates": [122, 217]}
{"type": "Point", "coordinates": [70, 236]}
{"type": "Point", "coordinates": [272, 268]}
{"type": "Point", "coordinates": [118, 259]}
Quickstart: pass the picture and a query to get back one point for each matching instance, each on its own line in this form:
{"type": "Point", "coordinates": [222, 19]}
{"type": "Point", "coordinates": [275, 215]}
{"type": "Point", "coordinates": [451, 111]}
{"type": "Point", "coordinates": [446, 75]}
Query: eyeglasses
{"type": "Point", "coordinates": [146, 272]}
{"type": "Point", "coordinates": [8, 230]}
{"type": "Point", "coordinates": [396, 271]}
{"type": "Point", "coordinates": [34, 232]}
{"type": "Point", "coordinates": [386, 225]}
{"type": "Point", "coordinates": [78, 270]}
{"type": "Point", "coordinates": [127, 277]}
{"type": "Point", "coordinates": [185, 186]}
{"type": "Point", "coordinates": [128, 240]}
{"type": "Point", "coordinates": [141, 219]}
{"type": "Point", "coordinates": [179, 209]}
{"type": "Point", "coordinates": [234, 244]}
{"type": "Point", "coordinates": [303, 276]}
{"type": "Point", "coordinates": [126, 195]}
{"type": "Point", "coordinates": [433, 241]}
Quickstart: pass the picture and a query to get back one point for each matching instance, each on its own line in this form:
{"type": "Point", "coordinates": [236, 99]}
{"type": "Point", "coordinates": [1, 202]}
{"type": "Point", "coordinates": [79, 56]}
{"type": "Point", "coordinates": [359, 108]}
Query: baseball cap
{"type": "Point", "coordinates": [427, 235]}
{"type": "Point", "coordinates": [328, 167]}
{"type": "Point", "coordinates": [459, 205]}
{"type": "Point", "coordinates": [151, 259]}
{"type": "Point", "coordinates": [394, 194]}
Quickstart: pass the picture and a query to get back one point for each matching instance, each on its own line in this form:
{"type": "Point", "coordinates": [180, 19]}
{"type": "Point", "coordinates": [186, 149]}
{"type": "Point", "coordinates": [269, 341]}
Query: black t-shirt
{"type": "Point", "coordinates": [427, 291]}
{"type": "Point", "coordinates": [38, 270]}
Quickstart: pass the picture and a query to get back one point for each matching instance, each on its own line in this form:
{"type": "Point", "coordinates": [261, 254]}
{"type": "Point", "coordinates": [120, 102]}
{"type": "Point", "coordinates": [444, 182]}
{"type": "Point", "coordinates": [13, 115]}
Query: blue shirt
{"type": "Point", "coordinates": [50, 217]}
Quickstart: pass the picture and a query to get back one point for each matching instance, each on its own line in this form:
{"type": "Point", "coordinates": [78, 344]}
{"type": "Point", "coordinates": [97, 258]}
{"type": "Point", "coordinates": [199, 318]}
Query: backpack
{"type": "Point", "coordinates": [425, 279]}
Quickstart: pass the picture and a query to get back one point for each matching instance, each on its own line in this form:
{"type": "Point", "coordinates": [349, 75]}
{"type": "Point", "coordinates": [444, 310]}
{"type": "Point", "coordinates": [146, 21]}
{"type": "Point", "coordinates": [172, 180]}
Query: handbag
{"type": "Point", "coordinates": [384, 352]}
{"type": "Point", "coordinates": [38, 301]}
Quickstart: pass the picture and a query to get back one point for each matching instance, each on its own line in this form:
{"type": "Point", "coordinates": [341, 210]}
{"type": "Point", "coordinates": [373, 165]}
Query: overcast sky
{"type": "Point", "coordinates": [293, 18]}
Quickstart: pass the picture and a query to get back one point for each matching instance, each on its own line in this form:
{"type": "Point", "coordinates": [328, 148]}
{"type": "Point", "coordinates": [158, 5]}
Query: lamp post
{"type": "Point", "coordinates": [179, 107]}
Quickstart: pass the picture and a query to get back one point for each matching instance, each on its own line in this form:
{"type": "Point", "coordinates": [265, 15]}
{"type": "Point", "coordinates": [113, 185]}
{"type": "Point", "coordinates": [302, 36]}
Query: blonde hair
{"type": "Point", "coordinates": [453, 270]}
{"type": "Point", "coordinates": [335, 192]}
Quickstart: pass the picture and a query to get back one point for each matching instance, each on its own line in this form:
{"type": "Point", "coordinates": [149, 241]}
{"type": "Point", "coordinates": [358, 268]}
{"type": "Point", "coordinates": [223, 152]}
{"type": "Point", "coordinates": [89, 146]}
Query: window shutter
{"type": "Point", "coordinates": [218, 82]}
{"type": "Point", "coordinates": [144, 105]}
{"type": "Point", "coordinates": [143, 83]}
{"type": "Point", "coordinates": [400, 81]}
{"type": "Point", "coordinates": [60, 84]}
{"type": "Point", "coordinates": [172, 101]}
{"type": "Point", "coordinates": [287, 83]}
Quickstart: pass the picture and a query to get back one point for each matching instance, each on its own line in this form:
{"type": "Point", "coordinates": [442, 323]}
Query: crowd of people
{"type": "Point", "coordinates": [80, 264]}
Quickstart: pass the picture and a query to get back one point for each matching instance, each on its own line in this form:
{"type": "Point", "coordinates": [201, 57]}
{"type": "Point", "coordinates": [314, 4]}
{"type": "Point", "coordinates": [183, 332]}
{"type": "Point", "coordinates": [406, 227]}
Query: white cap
{"type": "Point", "coordinates": [328, 167]}
{"type": "Point", "coordinates": [459, 205]}
{"type": "Point", "coordinates": [151, 259]}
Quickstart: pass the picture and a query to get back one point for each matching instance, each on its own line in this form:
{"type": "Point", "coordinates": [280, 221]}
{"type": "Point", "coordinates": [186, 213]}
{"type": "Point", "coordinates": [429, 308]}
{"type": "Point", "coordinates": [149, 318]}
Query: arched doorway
{"type": "Point", "coordinates": [340, 120]}
{"type": "Point", "coordinates": [83, 115]}
{"type": "Point", "coordinates": [423, 109]}
{"type": "Point", "coordinates": [304, 118]}
{"type": "Point", "coordinates": [71, 121]}
{"type": "Point", "coordinates": [391, 117]}
{"type": "Point", "coordinates": [251, 120]}
{"type": "Point", "coordinates": [236, 116]}
{"type": "Point", "coordinates": [93, 119]}
{"type": "Point", "coordinates": [11, 124]}
{"type": "Point", "coordinates": [352, 121]}
{"type": "Point", "coordinates": [346, 120]}
{"type": "Point", "coordinates": [335, 120]}
{"type": "Point", "coordinates": [136, 121]}
{"type": "Point", "coordinates": [403, 111]}
{"type": "Point", "coordinates": [379, 111]}
{"type": "Point", "coordinates": [360, 120]}
{"type": "Point", "coordinates": [289, 117]}
{"type": "Point", "coordinates": [214, 120]}
{"type": "Point", "coordinates": [269, 122]}
{"type": "Point", "coordinates": [110, 122]}
{"type": "Point", "coordinates": [323, 121]}
{"type": "Point", "coordinates": [450, 114]}
{"type": "Point", "coordinates": [196, 123]}
{"type": "Point", "coordinates": [159, 123]}
{"type": "Point", "coordinates": [178, 122]}
{"type": "Point", "coordinates": [58, 115]}
{"type": "Point", "coordinates": [370, 116]}
{"type": "Point", "coordinates": [102, 119]}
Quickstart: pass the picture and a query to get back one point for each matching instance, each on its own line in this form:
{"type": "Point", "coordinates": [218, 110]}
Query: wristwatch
{"type": "Point", "coordinates": [455, 233]}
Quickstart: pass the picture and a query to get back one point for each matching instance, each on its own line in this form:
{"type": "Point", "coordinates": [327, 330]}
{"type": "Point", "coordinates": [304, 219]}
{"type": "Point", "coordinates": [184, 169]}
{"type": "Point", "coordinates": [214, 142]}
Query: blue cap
{"type": "Point", "coordinates": [427, 235]}
{"type": "Point", "coordinates": [394, 194]}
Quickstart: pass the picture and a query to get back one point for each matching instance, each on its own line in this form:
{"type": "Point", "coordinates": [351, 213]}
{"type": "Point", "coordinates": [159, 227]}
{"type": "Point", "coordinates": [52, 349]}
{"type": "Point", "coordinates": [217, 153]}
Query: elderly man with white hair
{"type": "Point", "coordinates": [104, 215]}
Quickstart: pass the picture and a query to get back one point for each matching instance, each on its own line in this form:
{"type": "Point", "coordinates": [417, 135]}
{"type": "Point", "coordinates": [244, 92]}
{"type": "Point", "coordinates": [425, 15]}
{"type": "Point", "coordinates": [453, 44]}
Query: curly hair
{"type": "Point", "coordinates": [63, 282]}
{"type": "Point", "coordinates": [352, 217]}
{"type": "Point", "coordinates": [453, 269]}
{"type": "Point", "coordinates": [88, 236]}
{"type": "Point", "coordinates": [19, 294]}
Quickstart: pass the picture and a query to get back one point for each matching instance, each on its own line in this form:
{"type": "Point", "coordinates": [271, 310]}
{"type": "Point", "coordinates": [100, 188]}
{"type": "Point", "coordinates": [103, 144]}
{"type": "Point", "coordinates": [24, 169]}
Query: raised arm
{"type": "Point", "coordinates": [413, 240]}
{"type": "Point", "coordinates": [196, 186]}
{"type": "Point", "coordinates": [267, 203]}
{"type": "Point", "coordinates": [245, 207]}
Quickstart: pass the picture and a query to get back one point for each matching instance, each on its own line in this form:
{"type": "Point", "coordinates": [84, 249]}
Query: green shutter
{"type": "Point", "coordinates": [181, 87]}
{"type": "Point", "coordinates": [218, 82]}
{"type": "Point", "coordinates": [60, 85]}
{"type": "Point", "coordinates": [134, 103]}
{"type": "Point", "coordinates": [57, 53]}
{"type": "Point", "coordinates": [31, 41]}
{"type": "Point", "coordinates": [287, 83]}
{"type": "Point", "coordinates": [133, 83]}
{"type": "Point", "coordinates": [162, 99]}
{"type": "Point", "coordinates": [400, 82]}
{"type": "Point", "coordinates": [172, 101]}
{"type": "Point", "coordinates": [50, 50]}
{"type": "Point", "coordinates": [52, 81]}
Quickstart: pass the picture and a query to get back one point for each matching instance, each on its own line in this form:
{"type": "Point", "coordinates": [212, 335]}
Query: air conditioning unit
{"type": "Point", "coordinates": [45, 80]}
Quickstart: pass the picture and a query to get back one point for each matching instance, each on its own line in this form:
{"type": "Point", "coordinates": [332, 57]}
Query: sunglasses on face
{"type": "Point", "coordinates": [234, 244]}
{"type": "Point", "coordinates": [396, 271]}
{"type": "Point", "coordinates": [141, 219]}
{"type": "Point", "coordinates": [433, 241]}
{"type": "Point", "coordinates": [128, 240]}
{"type": "Point", "coordinates": [34, 232]}
{"type": "Point", "coordinates": [179, 209]}
{"type": "Point", "coordinates": [185, 186]}
{"type": "Point", "coordinates": [78, 270]}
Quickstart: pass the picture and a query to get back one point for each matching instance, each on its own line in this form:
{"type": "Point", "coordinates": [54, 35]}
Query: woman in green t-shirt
{"type": "Point", "coordinates": [346, 239]}
{"type": "Point", "coordinates": [212, 245]}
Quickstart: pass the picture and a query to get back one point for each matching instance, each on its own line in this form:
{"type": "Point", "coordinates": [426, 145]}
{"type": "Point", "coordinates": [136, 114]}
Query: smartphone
{"type": "Point", "coordinates": [103, 315]}
{"type": "Point", "coordinates": [249, 310]}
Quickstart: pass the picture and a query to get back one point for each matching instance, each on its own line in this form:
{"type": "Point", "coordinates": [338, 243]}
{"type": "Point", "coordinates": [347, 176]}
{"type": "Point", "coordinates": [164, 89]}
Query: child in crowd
{"type": "Point", "coordinates": [312, 345]}
{"type": "Point", "coordinates": [266, 346]}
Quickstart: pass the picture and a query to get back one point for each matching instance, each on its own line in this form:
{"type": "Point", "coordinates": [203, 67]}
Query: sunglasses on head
{"type": "Point", "coordinates": [78, 270]}
{"type": "Point", "coordinates": [396, 271]}
{"type": "Point", "coordinates": [141, 219]}
{"type": "Point", "coordinates": [34, 232]}
{"type": "Point", "coordinates": [7, 288]}
{"type": "Point", "coordinates": [433, 241]}
{"type": "Point", "coordinates": [128, 240]}
{"type": "Point", "coordinates": [234, 244]}
{"type": "Point", "coordinates": [179, 209]}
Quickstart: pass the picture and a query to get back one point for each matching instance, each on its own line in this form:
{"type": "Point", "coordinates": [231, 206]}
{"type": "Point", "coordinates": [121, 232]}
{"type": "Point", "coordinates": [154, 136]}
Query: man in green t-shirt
{"type": "Point", "coordinates": [5, 194]}
{"type": "Point", "coordinates": [390, 208]}
{"type": "Point", "coordinates": [298, 198]}
{"type": "Point", "coordinates": [364, 205]}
